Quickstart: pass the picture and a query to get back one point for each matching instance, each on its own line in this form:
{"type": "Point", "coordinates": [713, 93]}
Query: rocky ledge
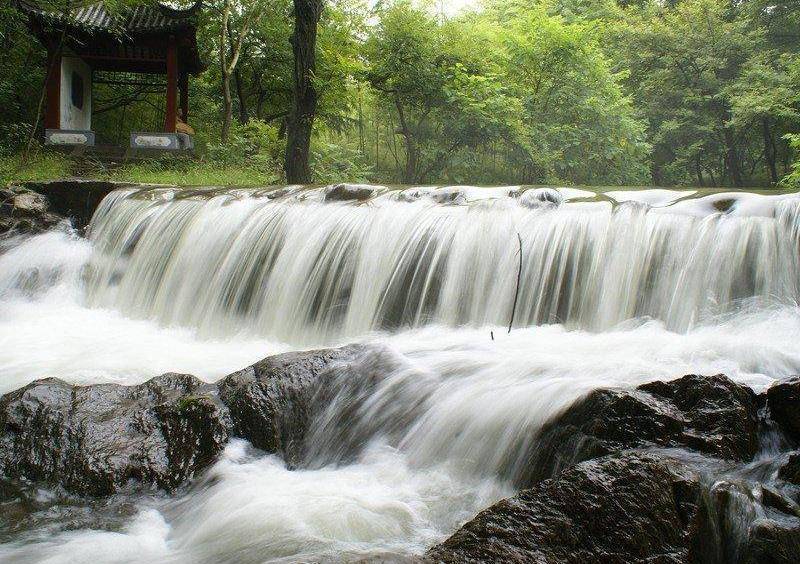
{"type": "Point", "coordinates": [31, 207]}
{"type": "Point", "coordinates": [97, 440]}
{"type": "Point", "coordinates": [698, 469]}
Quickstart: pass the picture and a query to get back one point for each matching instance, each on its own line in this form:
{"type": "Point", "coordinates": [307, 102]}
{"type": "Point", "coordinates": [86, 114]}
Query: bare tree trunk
{"type": "Point", "coordinates": [770, 151]}
{"type": "Point", "coordinates": [244, 115]}
{"type": "Point", "coordinates": [228, 106]}
{"type": "Point", "coordinates": [228, 67]}
{"type": "Point", "coordinates": [410, 172]}
{"type": "Point", "coordinates": [304, 107]}
{"type": "Point", "coordinates": [732, 159]}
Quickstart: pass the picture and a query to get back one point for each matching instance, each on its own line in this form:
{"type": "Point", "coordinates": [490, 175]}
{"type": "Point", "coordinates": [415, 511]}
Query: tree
{"type": "Point", "coordinates": [304, 107]}
{"type": "Point", "coordinates": [247, 14]}
{"type": "Point", "coordinates": [583, 127]}
{"type": "Point", "coordinates": [441, 84]}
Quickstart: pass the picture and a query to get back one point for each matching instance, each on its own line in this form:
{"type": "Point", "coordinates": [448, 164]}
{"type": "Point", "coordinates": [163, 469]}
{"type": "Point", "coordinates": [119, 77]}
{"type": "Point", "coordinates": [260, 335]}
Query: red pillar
{"type": "Point", "coordinates": [172, 86]}
{"type": "Point", "coordinates": [52, 112]}
{"type": "Point", "coordinates": [183, 87]}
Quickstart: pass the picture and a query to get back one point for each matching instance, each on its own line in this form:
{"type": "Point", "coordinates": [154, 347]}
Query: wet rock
{"type": "Point", "coordinates": [350, 192]}
{"type": "Point", "coordinates": [707, 414]}
{"type": "Point", "coordinates": [96, 439]}
{"type": "Point", "coordinates": [270, 402]}
{"type": "Point", "coordinates": [783, 400]}
{"type": "Point", "coordinates": [25, 211]}
{"type": "Point", "coordinates": [75, 198]}
{"type": "Point", "coordinates": [413, 194]}
{"type": "Point", "coordinates": [771, 497]}
{"type": "Point", "coordinates": [622, 508]}
{"type": "Point", "coordinates": [449, 195]}
{"type": "Point", "coordinates": [773, 542]}
{"type": "Point", "coordinates": [790, 470]}
{"type": "Point", "coordinates": [541, 197]}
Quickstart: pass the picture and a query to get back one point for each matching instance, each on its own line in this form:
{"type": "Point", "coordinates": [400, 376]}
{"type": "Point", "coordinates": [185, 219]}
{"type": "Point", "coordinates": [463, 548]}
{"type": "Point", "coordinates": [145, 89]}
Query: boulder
{"type": "Point", "coordinates": [94, 440]}
{"type": "Point", "coordinates": [541, 197]}
{"type": "Point", "coordinates": [630, 507]}
{"type": "Point", "coordinates": [25, 211]}
{"type": "Point", "coordinates": [75, 198]}
{"type": "Point", "coordinates": [790, 470]}
{"type": "Point", "coordinates": [97, 440]}
{"type": "Point", "coordinates": [773, 542]}
{"type": "Point", "coordinates": [708, 414]}
{"type": "Point", "coordinates": [270, 402]}
{"type": "Point", "coordinates": [351, 192]}
{"type": "Point", "coordinates": [783, 400]}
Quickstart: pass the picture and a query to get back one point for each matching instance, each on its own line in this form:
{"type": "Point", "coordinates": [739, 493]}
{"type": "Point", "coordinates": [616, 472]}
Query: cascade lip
{"type": "Point", "coordinates": [698, 202]}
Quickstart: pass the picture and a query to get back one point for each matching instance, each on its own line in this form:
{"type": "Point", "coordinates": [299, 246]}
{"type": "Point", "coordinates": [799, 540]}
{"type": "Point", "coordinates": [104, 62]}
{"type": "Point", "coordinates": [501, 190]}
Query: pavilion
{"type": "Point", "coordinates": [91, 45]}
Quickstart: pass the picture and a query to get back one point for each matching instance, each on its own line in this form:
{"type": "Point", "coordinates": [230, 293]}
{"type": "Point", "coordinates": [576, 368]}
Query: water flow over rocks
{"type": "Point", "coordinates": [97, 440]}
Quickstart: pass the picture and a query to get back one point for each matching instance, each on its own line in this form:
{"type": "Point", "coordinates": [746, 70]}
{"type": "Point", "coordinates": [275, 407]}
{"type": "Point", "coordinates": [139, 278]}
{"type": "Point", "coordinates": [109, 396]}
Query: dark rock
{"type": "Point", "coordinates": [25, 211]}
{"type": "Point", "coordinates": [771, 497]}
{"type": "Point", "coordinates": [773, 542]}
{"type": "Point", "coordinates": [708, 414]}
{"type": "Point", "coordinates": [350, 192]}
{"type": "Point", "coordinates": [75, 198]}
{"type": "Point", "coordinates": [449, 195]}
{"type": "Point", "coordinates": [95, 439]}
{"type": "Point", "coordinates": [622, 508]}
{"type": "Point", "coordinates": [270, 402]}
{"type": "Point", "coordinates": [541, 197]}
{"type": "Point", "coordinates": [783, 400]}
{"type": "Point", "coordinates": [790, 471]}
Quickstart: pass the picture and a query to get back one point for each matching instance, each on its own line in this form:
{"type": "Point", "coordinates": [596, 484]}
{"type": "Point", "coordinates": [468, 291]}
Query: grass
{"type": "Point", "coordinates": [40, 166]}
{"type": "Point", "coordinates": [194, 174]}
{"type": "Point", "coordinates": [183, 172]}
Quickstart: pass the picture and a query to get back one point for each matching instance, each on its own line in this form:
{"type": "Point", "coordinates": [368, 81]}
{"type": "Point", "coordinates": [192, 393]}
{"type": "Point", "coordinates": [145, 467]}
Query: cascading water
{"type": "Point", "coordinates": [306, 271]}
{"type": "Point", "coordinates": [432, 421]}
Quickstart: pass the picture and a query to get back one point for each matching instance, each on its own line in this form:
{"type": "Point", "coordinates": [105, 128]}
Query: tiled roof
{"type": "Point", "coordinates": [142, 18]}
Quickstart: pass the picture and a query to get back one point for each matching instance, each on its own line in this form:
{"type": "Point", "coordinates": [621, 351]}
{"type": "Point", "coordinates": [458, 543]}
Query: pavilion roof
{"type": "Point", "coordinates": [154, 17]}
{"type": "Point", "coordinates": [131, 39]}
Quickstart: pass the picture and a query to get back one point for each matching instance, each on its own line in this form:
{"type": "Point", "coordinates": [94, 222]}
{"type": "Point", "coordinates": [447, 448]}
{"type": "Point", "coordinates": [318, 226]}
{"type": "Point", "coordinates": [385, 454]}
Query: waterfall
{"type": "Point", "coordinates": [304, 270]}
{"type": "Point", "coordinates": [439, 414]}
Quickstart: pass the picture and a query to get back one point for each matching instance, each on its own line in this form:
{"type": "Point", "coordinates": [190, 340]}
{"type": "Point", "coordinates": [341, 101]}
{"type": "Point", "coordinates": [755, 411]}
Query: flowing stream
{"type": "Point", "coordinates": [431, 422]}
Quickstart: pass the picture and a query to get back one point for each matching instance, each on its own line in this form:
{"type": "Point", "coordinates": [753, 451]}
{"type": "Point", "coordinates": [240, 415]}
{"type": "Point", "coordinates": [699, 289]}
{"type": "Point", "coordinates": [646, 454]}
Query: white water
{"type": "Point", "coordinates": [447, 412]}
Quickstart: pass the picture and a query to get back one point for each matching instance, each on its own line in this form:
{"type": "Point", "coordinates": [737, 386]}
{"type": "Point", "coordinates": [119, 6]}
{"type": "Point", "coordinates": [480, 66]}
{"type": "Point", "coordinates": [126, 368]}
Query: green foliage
{"type": "Point", "coordinates": [339, 162]}
{"type": "Point", "coordinates": [40, 166]}
{"type": "Point", "coordinates": [792, 180]}
{"type": "Point", "coordinates": [605, 92]}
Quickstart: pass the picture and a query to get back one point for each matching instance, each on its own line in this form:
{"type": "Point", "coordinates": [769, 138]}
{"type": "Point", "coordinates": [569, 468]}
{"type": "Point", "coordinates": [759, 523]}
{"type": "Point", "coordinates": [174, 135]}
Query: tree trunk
{"type": "Point", "coordinates": [244, 115]}
{"type": "Point", "coordinates": [410, 172]}
{"type": "Point", "coordinates": [732, 159]}
{"type": "Point", "coordinates": [304, 107]}
{"type": "Point", "coordinates": [228, 107]}
{"type": "Point", "coordinates": [770, 151]}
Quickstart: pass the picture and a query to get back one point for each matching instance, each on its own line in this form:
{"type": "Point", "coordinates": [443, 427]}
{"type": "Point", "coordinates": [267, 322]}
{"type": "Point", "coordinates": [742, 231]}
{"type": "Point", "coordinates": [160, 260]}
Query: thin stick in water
{"type": "Point", "coordinates": [516, 292]}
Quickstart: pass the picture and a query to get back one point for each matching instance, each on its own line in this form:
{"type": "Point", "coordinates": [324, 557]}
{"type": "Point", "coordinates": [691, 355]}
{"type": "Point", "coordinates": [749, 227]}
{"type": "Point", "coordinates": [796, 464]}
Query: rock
{"type": "Point", "coordinates": [350, 192]}
{"type": "Point", "coordinates": [708, 414]}
{"type": "Point", "coordinates": [449, 195]}
{"type": "Point", "coordinates": [413, 194]}
{"type": "Point", "coordinates": [75, 198]}
{"type": "Point", "coordinates": [24, 211]}
{"type": "Point", "coordinates": [783, 400]}
{"type": "Point", "coordinates": [270, 401]}
{"type": "Point", "coordinates": [773, 542]}
{"type": "Point", "coordinates": [622, 508]}
{"type": "Point", "coordinates": [541, 197]}
{"type": "Point", "coordinates": [771, 497]}
{"type": "Point", "coordinates": [790, 470]}
{"type": "Point", "coordinates": [95, 439]}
